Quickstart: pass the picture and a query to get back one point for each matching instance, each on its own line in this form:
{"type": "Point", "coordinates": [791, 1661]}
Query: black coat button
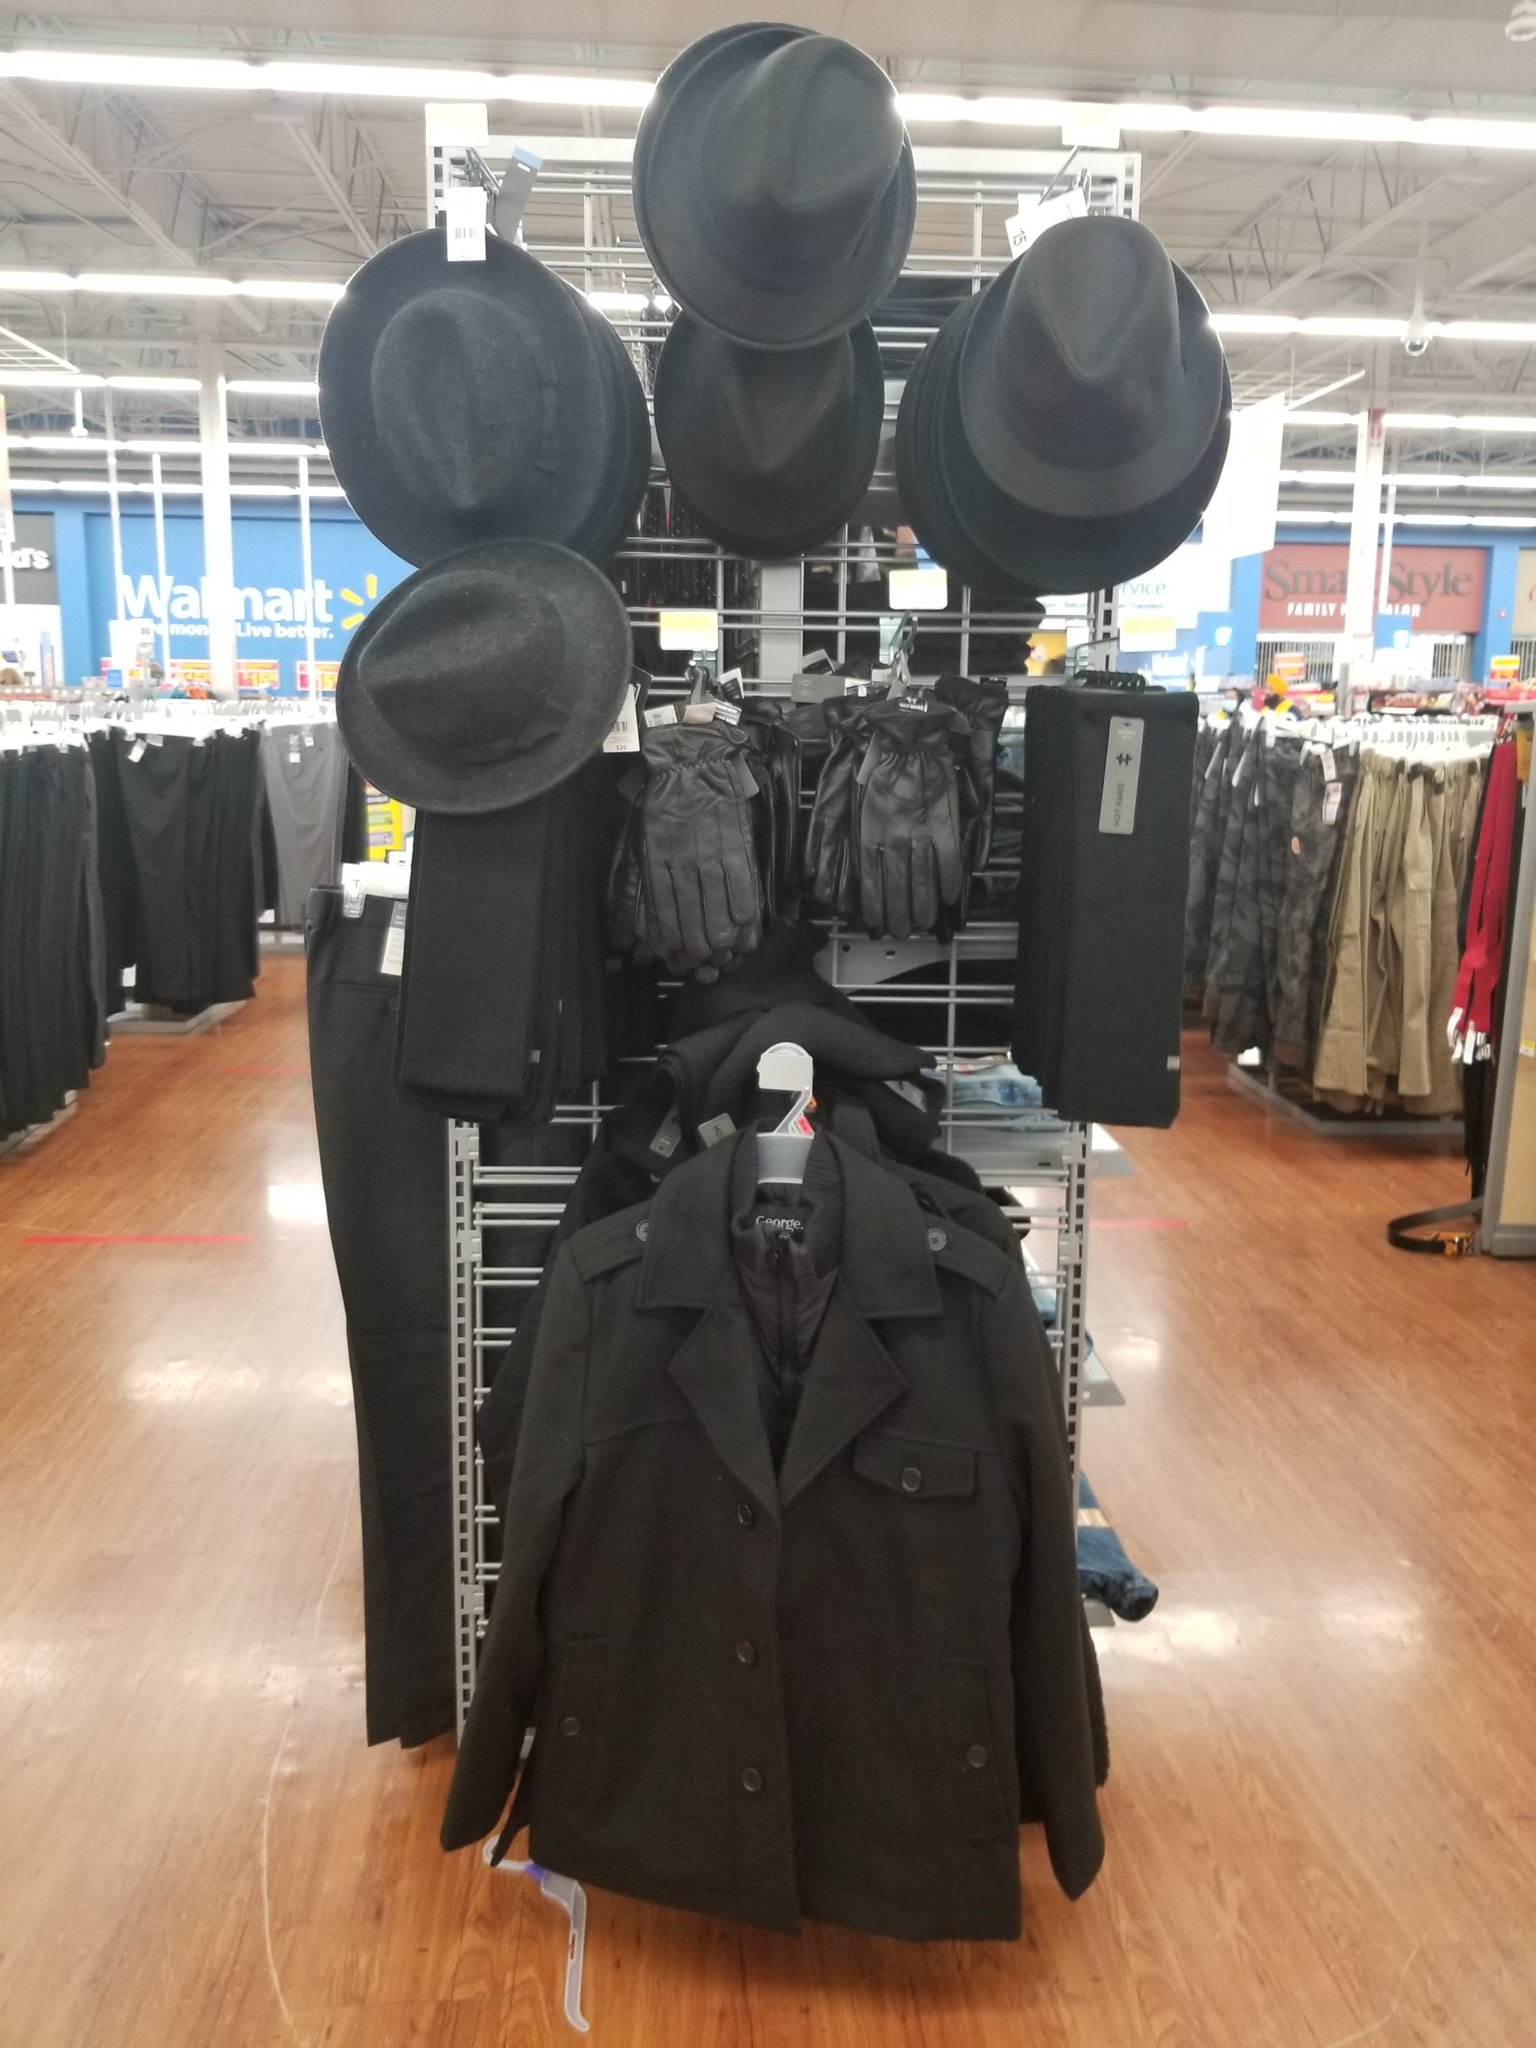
{"type": "Point", "coordinates": [571, 1725]}
{"type": "Point", "coordinates": [746, 1653]}
{"type": "Point", "coordinates": [977, 1757]}
{"type": "Point", "coordinates": [744, 1514]}
{"type": "Point", "coordinates": [911, 1480]}
{"type": "Point", "coordinates": [751, 1779]}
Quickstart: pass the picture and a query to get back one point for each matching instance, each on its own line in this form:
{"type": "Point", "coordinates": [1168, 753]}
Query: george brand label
{"type": "Point", "coordinates": [1122, 776]}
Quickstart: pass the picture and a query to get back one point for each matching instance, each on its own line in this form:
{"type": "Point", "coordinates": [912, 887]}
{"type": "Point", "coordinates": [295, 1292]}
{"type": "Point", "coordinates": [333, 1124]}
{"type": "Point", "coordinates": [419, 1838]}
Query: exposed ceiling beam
{"type": "Point", "coordinates": [335, 191]}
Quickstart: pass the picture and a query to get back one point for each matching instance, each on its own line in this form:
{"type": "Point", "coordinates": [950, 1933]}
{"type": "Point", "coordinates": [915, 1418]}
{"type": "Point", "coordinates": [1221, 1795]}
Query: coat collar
{"type": "Point", "coordinates": [885, 1270]}
{"type": "Point", "coordinates": [885, 1265]}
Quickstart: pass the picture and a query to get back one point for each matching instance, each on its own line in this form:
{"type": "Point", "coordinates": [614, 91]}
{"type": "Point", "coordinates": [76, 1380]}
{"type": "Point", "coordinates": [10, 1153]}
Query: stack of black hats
{"type": "Point", "coordinates": [1067, 426]}
{"type": "Point", "coordinates": [775, 194]}
{"type": "Point", "coordinates": [489, 426]}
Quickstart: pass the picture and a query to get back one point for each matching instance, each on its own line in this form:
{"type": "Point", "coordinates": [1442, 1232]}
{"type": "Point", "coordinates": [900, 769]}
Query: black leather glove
{"type": "Point", "coordinates": [703, 904]}
{"type": "Point", "coordinates": [982, 705]}
{"type": "Point", "coordinates": [776, 759]}
{"type": "Point", "coordinates": [911, 829]}
{"type": "Point", "coordinates": [626, 892]}
{"type": "Point", "coordinates": [831, 867]}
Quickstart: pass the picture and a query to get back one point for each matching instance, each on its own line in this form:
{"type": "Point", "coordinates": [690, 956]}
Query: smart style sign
{"type": "Point", "coordinates": [1433, 590]}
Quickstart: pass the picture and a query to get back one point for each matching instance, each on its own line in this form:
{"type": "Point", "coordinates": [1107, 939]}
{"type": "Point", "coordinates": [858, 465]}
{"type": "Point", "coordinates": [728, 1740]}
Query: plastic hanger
{"type": "Point", "coordinates": [567, 1894]}
{"type": "Point", "coordinates": [786, 1069]}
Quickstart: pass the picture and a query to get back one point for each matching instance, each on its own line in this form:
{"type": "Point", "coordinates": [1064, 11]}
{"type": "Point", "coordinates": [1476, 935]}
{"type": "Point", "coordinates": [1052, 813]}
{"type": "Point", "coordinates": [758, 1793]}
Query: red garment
{"type": "Point", "coordinates": [1482, 963]}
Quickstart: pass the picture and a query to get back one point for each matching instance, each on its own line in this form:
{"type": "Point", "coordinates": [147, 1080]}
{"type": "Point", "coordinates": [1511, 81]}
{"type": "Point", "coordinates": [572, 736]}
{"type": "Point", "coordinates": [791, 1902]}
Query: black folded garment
{"type": "Point", "coordinates": [502, 994]}
{"type": "Point", "coordinates": [1103, 878]}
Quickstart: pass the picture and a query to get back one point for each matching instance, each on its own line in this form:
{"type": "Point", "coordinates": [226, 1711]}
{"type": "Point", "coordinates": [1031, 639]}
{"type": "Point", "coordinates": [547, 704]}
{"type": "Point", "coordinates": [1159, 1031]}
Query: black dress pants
{"type": "Point", "coordinates": [384, 1165]}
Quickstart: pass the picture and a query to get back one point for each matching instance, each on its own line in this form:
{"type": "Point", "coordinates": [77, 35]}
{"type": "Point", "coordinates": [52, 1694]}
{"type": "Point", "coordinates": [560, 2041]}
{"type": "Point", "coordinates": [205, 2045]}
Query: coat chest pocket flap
{"type": "Point", "coordinates": [913, 1466]}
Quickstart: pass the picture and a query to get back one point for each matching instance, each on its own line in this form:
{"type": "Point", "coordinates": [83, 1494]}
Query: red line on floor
{"type": "Point", "coordinates": [1136, 1223]}
{"type": "Point", "coordinates": [139, 1237]}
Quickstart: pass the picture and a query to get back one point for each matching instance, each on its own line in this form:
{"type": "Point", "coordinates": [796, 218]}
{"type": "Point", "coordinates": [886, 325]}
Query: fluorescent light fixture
{"type": "Point", "coordinates": [172, 284]}
{"type": "Point", "coordinates": [1335, 478]}
{"type": "Point", "coordinates": [1463, 423]}
{"type": "Point", "coordinates": [1367, 327]}
{"type": "Point", "coordinates": [1433, 519]}
{"type": "Point", "coordinates": [1414, 479]}
{"type": "Point", "coordinates": [372, 81]}
{"type": "Point", "coordinates": [134, 383]}
{"type": "Point", "coordinates": [49, 380]}
{"type": "Point", "coordinates": [1306, 416]}
{"type": "Point", "coordinates": [1242, 123]}
{"type": "Point", "coordinates": [1499, 519]}
{"type": "Point", "coordinates": [272, 387]}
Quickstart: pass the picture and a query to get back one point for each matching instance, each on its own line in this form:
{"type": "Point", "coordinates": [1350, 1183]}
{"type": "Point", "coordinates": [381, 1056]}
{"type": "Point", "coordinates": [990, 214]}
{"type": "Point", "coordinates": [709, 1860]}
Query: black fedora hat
{"type": "Point", "coordinates": [1091, 379]}
{"type": "Point", "coordinates": [464, 402]}
{"type": "Point", "coordinates": [485, 678]}
{"type": "Point", "coordinates": [997, 540]}
{"type": "Point", "coordinates": [773, 182]}
{"type": "Point", "coordinates": [770, 449]}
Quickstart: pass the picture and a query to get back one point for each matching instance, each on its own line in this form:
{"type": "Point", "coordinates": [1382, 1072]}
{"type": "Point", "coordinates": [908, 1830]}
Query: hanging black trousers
{"type": "Point", "coordinates": [385, 1171]}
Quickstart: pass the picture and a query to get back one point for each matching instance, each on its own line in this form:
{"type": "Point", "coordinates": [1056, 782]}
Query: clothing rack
{"type": "Point", "coordinates": [1387, 735]}
{"type": "Point", "coordinates": [1509, 1190]}
{"type": "Point", "coordinates": [770, 616]}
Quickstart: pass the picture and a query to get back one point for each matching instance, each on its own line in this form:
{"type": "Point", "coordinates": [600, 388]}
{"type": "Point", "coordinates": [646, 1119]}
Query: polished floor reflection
{"type": "Point", "coordinates": [1322, 1813]}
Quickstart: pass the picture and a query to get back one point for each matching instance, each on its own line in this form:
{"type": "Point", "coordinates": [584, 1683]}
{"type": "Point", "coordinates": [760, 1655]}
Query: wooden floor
{"type": "Point", "coordinates": [1322, 1815]}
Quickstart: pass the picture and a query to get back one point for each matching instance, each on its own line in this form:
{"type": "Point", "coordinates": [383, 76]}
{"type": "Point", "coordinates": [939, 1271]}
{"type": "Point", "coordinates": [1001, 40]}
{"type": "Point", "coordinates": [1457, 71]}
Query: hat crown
{"type": "Point", "coordinates": [762, 412]}
{"type": "Point", "coordinates": [1089, 356]}
{"type": "Point", "coordinates": [803, 146]}
{"type": "Point", "coordinates": [468, 667]}
{"type": "Point", "coordinates": [467, 400]}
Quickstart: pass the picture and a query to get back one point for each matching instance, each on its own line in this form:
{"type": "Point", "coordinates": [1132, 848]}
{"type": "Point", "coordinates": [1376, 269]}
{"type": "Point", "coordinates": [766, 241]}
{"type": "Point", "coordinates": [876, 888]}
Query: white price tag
{"type": "Point", "coordinates": [309, 739]}
{"type": "Point", "coordinates": [464, 220]}
{"type": "Point", "coordinates": [136, 751]}
{"type": "Point", "coordinates": [661, 714]}
{"type": "Point", "coordinates": [624, 733]}
{"type": "Point", "coordinates": [1122, 774]}
{"type": "Point", "coordinates": [1330, 772]}
{"type": "Point", "coordinates": [1333, 796]}
{"type": "Point", "coordinates": [392, 959]}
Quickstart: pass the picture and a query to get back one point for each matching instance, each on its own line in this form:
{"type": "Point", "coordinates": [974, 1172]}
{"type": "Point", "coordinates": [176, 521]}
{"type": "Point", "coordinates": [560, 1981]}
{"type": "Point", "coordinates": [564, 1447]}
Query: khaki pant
{"type": "Point", "coordinates": [1393, 938]}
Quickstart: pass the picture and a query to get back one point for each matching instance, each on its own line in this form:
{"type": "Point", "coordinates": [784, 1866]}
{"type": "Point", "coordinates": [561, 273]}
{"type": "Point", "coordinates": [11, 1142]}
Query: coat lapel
{"type": "Point", "coordinates": [850, 1380]}
{"type": "Point", "coordinates": [715, 1369]}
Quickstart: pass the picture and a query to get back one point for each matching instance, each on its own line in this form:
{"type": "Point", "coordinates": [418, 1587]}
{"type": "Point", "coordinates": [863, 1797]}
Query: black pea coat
{"type": "Point", "coordinates": [824, 1691]}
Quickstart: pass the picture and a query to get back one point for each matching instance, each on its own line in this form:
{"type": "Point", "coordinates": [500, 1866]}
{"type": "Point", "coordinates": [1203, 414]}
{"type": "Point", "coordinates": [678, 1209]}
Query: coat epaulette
{"type": "Point", "coordinates": [617, 1241]}
{"type": "Point", "coordinates": [961, 1251]}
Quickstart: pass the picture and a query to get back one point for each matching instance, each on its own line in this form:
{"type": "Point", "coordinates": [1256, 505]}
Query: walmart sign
{"type": "Point", "coordinates": [273, 601]}
{"type": "Point", "coordinates": [278, 612]}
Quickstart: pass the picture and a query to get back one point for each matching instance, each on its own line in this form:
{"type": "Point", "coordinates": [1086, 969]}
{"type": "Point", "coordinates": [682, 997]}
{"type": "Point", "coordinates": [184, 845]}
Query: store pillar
{"type": "Point", "coordinates": [218, 527]}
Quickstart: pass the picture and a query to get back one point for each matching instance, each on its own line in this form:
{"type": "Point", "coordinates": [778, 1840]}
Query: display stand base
{"type": "Point", "coordinates": [1293, 1099]}
{"type": "Point", "coordinates": [34, 1134]}
{"type": "Point", "coordinates": [153, 1020]}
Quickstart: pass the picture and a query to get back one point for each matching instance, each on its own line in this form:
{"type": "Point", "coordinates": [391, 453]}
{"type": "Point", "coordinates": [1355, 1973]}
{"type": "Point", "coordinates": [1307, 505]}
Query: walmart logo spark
{"type": "Point", "coordinates": [358, 602]}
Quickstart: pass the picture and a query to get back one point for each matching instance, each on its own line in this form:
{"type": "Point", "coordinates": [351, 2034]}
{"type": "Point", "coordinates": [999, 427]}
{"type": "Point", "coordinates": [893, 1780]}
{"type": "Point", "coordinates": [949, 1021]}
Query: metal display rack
{"type": "Point", "coordinates": [579, 220]}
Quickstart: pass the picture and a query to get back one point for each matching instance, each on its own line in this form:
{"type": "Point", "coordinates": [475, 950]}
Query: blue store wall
{"type": "Point", "coordinates": [268, 570]}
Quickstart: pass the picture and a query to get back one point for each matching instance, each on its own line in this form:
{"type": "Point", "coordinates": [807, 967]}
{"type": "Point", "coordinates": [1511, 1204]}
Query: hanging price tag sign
{"type": "Point", "coordinates": [689, 632]}
{"type": "Point", "coordinates": [464, 219]}
{"type": "Point", "coordinates": [624, 733]}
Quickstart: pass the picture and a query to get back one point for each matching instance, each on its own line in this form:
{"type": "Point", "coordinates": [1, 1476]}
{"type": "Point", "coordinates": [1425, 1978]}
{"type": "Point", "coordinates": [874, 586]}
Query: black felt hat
{"type": "Point", "coordinates": [774, 185]}
{"type": "Point", "coordinates": [771, 449]}
{"type": "Point", "coordinates": [1048, 442]}
{"type": "Point", "coordinates": [486, 678]}
{"type": "Point", "coordinates": [466, 402]}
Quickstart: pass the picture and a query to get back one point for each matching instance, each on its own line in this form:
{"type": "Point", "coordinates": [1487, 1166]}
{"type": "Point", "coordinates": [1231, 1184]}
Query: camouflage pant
{"type": "Point", "coordinates": [1319, 813]}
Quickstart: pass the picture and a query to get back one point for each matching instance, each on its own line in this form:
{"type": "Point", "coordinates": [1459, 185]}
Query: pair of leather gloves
{"type": "Point", "coordinates": [903, 808]}
{"type": "Point", "coordinates": [709, 847]}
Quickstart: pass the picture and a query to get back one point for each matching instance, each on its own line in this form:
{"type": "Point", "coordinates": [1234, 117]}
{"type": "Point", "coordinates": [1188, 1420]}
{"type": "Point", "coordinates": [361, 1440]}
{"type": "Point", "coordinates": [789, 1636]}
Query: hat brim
{"type": "Point", "coordinates": [1000, 545]}
{"type": "Point", "coordinates": [588, 507]}
{"type": "Point", "coordinates": [598, 658]}
{"type": "Point", "coordinates": [1068, 489]}
{"type": "Point", "coordinates": [701, 272]}
{"type": "Point", "coordinates": [768, 518]}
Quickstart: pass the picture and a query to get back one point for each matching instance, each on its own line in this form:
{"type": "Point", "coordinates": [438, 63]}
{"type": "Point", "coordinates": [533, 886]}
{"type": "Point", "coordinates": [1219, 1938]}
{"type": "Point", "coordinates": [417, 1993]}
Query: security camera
{"type": "Point", "coordinates": [1416, 335]}
{"type": "Point", "coordinates": [1521, 26]}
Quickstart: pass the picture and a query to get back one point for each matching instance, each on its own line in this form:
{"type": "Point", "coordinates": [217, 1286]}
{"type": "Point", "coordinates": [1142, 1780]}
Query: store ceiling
{"type": "Point", "coordinates": [96, 179]}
